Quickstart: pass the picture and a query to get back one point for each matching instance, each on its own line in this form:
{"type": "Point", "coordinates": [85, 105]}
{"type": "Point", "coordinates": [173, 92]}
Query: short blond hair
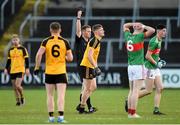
{"type": "Point", "coordinates": [96, 27]}
{"type": "Point", "coordinates": [15, 36]}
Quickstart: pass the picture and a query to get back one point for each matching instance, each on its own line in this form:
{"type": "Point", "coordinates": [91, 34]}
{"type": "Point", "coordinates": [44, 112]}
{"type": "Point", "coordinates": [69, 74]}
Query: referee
{"type": "Point", "coordinates": [83, 35]}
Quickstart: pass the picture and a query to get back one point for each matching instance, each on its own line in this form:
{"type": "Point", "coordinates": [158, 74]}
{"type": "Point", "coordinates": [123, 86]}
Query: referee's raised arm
{"type": "Point", "coordinates": [78, 23]}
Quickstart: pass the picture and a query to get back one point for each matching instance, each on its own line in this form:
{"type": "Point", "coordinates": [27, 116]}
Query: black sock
{"type": "Point", "coordinates": [51, 114]}
{"type": "Point", "coordinates": [156, 109]}
{"type": "Point", "coordinates": [61, 113]}
{"type": "Point", "coordinates": [80, 98]}
{"type": "Point", "coordinates": [88, 102]}
{"type": "Point", "coordinates": [81, 109]}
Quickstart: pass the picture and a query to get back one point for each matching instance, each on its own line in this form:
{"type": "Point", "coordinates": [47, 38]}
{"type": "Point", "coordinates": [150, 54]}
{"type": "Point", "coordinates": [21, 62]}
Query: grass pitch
{"type": "Point", "coordinates": [109, 101]}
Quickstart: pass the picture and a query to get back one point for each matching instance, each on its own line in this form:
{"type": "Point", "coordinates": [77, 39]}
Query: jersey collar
{"type": "Point", "coordinates": [99, 38]}
{"type": "Point", "coordinates": [16, 46]}
{"type": "Point", "coordinates": [159, 40]}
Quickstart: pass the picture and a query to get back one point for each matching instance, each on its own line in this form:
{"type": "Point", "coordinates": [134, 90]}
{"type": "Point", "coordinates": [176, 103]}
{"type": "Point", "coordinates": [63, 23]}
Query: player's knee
{"type": "Point", "coordinates": [50, 97]}
{"type": "Point", "coordinates": [88, 90]}
{"type": "Point", "coordinates": [159, 90]}
{"type": "Point", "coordinates": [15, 88]}
{"type": "Point", "coordinates": [93, 88]}
{"type": "Point", "coordinates": [19, 87]}
{"type": "Point", "coordinates": [149, 91]}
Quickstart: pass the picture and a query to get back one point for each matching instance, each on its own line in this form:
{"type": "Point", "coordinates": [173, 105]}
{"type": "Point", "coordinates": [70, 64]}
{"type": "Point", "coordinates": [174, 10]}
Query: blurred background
{"type": "Point", "coordinates": [31, 18]}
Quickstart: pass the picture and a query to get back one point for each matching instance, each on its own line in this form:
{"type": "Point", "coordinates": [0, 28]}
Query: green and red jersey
{"type": "Point", "coordinates": [154, 47]}
{"type": "Point", "coordinates": [135, 48]}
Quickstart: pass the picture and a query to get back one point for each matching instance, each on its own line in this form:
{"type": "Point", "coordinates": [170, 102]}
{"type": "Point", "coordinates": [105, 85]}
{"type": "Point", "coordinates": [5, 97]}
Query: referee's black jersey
{"type": "Point", "coordinates": [80, 47]}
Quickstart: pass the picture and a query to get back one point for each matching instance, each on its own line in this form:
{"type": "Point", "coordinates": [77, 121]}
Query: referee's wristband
{"type": "Point", "coordinates": [78, 18]}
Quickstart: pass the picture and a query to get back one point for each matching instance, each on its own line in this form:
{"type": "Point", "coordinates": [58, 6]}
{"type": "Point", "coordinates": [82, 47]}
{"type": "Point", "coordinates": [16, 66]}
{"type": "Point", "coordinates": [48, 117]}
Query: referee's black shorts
{"type": "Point", "coordinates": [55, 79]}
{"type": "Point", "coordinates": [86, 72]}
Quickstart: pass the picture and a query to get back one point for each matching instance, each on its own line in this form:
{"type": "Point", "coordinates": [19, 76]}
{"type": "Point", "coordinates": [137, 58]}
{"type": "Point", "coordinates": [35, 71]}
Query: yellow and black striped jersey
{"type": "Point", "coordinates": [17, 57]}
{"type": "Point", "coordinates": [94, 43]}
{"type": "Point", "coordinates": [56, 48]}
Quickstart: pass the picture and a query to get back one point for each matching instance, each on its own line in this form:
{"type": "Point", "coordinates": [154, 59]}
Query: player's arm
{"type": "Point", "coordinates": [69, 55]}
{"type": "Point", "coordinates": [96, 71]}
{"type": "Point", "coordinates": [151, 47]}
{"type": "Point", "coordinates": [149, 57]}
{"type": "Point", "coordinates": [78, 23]}
{"type": "Point", "coordinates": [39, 55]}
{"type": "Point", "coordinates": [126, 26]}
{"type": "Point", "coordinates": [92, 45]}
{"type": "Point", "coordinates": [8, 63]}
{"type": "Point", "coordinates": [26, 56]}
{"type": "Point", "coordinates": [149, 30]}
{"type": "Point", "coordinates": [90, 57]}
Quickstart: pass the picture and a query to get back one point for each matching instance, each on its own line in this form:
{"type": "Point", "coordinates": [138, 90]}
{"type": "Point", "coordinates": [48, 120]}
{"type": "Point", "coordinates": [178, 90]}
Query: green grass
{"type": "Point", "coordinates": [110, 102]}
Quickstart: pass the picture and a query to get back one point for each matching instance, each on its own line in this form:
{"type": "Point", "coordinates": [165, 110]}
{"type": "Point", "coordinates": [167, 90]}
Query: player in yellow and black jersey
{"type": "Point", "coordinates": [19, 64]}
{"type": "Point", "coordinates": [57, 51]}
{"type": "Point", "coordinates": [89, 66]}
{"type": "Point", "coordinates": [94, 45]}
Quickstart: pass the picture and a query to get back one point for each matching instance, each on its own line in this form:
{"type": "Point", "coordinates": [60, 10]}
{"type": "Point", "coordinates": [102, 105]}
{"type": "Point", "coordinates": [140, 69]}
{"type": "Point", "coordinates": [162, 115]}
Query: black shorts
{"type": "Point", "coordinates": [54, 79]}
{"type": "Point", "coordinates": [16, 75]}
{"type": "Point", "coordinates": [86, 72]}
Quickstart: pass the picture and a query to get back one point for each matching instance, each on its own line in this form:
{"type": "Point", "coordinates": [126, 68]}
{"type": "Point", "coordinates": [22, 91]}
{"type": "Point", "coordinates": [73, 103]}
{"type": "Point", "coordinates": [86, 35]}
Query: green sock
{"type": "Point", "coordinates": [156, 109]}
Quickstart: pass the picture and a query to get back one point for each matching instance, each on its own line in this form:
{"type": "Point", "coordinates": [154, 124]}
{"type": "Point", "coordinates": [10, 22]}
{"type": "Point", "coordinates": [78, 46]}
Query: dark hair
{"type": "Point", "coordinates": [85, 27]}
{"type": "Point", "coordinates": [160, 26]}
{"type": "Point", "coordinates": [55, 26]}
{"type": "Point", "coordinates": [96, 27]}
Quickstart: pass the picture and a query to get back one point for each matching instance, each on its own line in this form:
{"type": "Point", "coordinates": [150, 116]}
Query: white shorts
{"type": "Point", "coordinates": [152, 73]}
{"type": "Point", "coordinates": [136, 72]}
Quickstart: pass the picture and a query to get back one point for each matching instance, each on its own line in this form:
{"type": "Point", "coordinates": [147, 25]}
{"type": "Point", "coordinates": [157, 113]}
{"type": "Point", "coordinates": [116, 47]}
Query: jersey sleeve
{"type": "Point", "coordinates": [78, 39]}
{"type": "Point", "coordinates": [152, 45]}
{"type": "Point", "coordinates": [126, 34]}
{"type": "Point", "coordinates": [25, 53]}
{"type": "Point", "coordinates": [43, 43]}
{"type": "Point", "coordinates": [8, 63]}
{"type": "Point", "coordinates": [68, 47]}
{"type": "Point", "coordinates": [93, 43]}
{"type": "Point", "coordinates": [9, 57]}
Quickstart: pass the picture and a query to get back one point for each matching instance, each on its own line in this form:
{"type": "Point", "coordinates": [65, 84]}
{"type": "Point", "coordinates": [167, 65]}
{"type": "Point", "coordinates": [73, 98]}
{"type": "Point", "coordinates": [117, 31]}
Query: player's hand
{"type": "Point", "coordinates": [5, 71]}
{"type": "Point", "coordinates": [161, 63]}
{"type": "Point", "coordinates": [96, 72]}
{"type": "Point", "coordinates": [27, 72]}
{"type": "Point", "coordinates": [36, 71]}
{"type": "Point", "coordinates": [79, 14]}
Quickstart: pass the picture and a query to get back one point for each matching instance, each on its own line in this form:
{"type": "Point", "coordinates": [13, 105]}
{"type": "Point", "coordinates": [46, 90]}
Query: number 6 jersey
{"type": "Point", "coordinates": [135, 48]}
{"type": "Point", "coordinates": [55, 49]}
